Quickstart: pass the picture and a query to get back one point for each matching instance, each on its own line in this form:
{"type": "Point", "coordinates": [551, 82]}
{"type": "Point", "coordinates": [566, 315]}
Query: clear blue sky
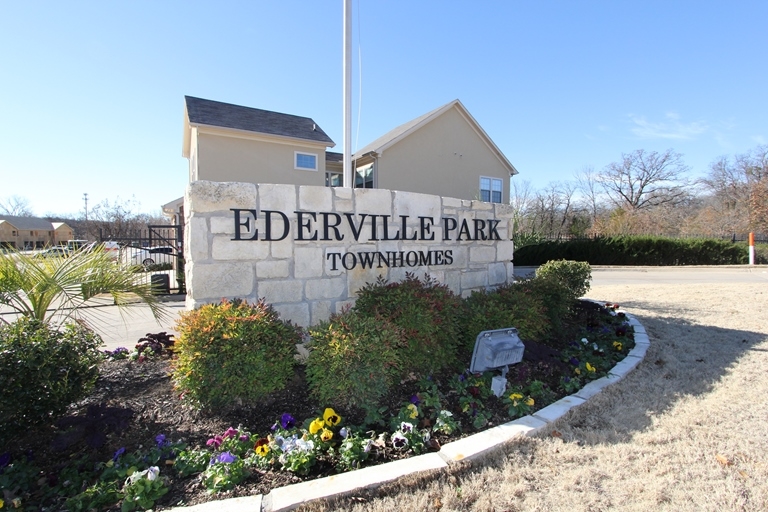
{"type": "Point", "coordinates": [91, 93]}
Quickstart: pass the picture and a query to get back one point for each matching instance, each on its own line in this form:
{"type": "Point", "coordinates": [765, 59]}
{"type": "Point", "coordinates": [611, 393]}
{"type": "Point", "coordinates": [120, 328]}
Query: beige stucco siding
{"type": "Point", "coordinates": [62, 234]}
{"type": "Point", "coordinates": [8, 234]}
{"type": "Point", "coordinates": [222, 158]}
{"type": "Point", "coordinates": [446, 157]}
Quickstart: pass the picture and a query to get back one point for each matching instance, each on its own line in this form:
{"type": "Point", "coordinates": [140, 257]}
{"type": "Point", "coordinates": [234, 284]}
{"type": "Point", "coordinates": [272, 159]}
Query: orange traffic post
{"type": "Point", "coordinates": [751, 248]}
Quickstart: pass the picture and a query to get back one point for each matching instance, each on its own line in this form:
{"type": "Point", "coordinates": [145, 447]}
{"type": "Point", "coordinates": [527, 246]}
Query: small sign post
{"type": "Point", "coordinates": [751, 248]}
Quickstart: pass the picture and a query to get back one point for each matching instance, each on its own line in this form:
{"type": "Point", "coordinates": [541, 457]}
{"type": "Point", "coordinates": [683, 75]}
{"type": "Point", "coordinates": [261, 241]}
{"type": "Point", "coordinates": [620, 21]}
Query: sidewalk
{"type": "Point", "coordinates": [123, 329]}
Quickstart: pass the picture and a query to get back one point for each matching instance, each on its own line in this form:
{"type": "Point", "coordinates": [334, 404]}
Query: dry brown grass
{"type": "Point", "coordinates": [686, 430]}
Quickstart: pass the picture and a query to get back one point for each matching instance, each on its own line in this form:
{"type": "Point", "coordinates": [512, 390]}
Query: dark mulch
{"type": "Point", "coordinates": [134, 402]}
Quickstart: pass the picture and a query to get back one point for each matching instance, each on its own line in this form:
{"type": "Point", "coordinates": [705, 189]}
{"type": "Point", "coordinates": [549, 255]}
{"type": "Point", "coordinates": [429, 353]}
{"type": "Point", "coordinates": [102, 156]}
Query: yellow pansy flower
{"type": "Point", "coordinates": [414, 410]}
{"type": "Point", "coordinates": [590, 368]}
{"type": "Point", "coordinates": [515, 396]}
{"type": "Point", "coordinates": [529, 402]}
{"type": "Point", "coordinates": [262, 447]}
{"type": "Point", "coordinates": [326, 435]}
{"type": "Point", "coordinates": [331, 417]}
{"type": "Point", "coordinates": [316, 425]}
{"type": "Point", "coordinates": [617, 345]}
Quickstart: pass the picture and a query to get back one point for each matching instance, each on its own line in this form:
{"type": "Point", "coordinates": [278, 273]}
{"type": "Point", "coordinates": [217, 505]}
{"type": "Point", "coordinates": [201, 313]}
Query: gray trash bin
{"type": "Point", "coordinates": [161, 284]}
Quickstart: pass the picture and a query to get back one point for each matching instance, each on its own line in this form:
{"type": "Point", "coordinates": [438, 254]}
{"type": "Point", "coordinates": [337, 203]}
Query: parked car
{"type": "Point", "coordinates": [53, 252]}
{"type": "Point", "coordinates": [111, 248]}
{"type": "Point", "coordinates": [148, 255]}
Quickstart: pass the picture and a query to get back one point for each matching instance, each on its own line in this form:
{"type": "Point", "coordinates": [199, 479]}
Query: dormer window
{"type": "Point", "coordinates": [305, 161]}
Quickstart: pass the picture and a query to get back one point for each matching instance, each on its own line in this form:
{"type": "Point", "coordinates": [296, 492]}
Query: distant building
{"type": "Point", "coordinates": [445, 152]}
{"type": "Point", "coordinates": [32, 232]}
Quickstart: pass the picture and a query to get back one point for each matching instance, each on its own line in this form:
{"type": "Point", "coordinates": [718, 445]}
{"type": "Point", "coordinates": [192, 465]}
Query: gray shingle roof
{"type": "Point", "coordinates": [226, 115]}
{"type": "Point", "coordinates": [34, 223]}
{"type": "Point", "coordinates": [332, 156]}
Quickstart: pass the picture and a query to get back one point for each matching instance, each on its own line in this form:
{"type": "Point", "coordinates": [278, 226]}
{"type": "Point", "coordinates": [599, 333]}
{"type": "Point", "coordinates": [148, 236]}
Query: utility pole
{"type": "Point", "coordinates": [85, 198]}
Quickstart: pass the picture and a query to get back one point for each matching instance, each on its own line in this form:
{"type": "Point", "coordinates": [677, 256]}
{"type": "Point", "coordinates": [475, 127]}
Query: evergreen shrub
{"type": "Point", "coordinates": [233, 353]}
{"type": "Point", "coordinates": [510, 305]}
{"type": "Point", "coordinates": [556, 299]}
{"type": "Point", "coordinates": [427, 314]}
{"type": "Point", "coordinates": [353, 360]}
{"type": "Point", "coordinates": [635, 250]}
{"type": "Point", "coordinates": [43, 371]}
{"type": "Point", "coordinates": [574, 275]}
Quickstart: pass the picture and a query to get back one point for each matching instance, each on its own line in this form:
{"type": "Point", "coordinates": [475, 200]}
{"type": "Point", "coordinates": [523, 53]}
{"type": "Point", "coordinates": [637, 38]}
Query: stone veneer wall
{"type": "Point", "coordinates": [296, 277]}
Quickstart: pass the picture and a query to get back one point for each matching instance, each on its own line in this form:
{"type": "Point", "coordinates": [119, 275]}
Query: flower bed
{"type": "Point", "coordinates": [135, 443]}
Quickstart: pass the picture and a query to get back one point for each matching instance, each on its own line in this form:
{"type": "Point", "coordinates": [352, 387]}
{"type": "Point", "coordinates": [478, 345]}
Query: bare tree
{"type": "Point", "coordinates": [739, 191]}
{"type": "Point", "coordinates": [118, 219]}
{"type": "Point", "coordinates": [551, 210]}
{"type": "Point", "coordinates": [519, 200]}
{"type": "Point", "coordinates": [587, 184]}
{"type": "Point", "coordinates": [755, 165]}
{"type": "Point", "coordinates": [17, 206]}
{"type": "Point", "coordinates": [643, 180]}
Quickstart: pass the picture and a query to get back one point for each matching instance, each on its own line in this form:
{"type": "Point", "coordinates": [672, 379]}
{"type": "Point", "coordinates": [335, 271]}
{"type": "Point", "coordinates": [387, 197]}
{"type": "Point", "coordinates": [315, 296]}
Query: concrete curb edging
{"type": "Point", "coordinates": [468, 448]}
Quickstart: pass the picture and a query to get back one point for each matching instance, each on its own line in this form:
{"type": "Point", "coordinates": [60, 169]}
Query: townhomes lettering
{"type": "Point", "coordinates": [328, 226]}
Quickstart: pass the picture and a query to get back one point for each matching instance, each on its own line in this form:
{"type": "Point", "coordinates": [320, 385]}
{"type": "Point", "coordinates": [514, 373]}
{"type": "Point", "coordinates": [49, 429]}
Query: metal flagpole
{"type": "Point", "coordinates": [347, 179]}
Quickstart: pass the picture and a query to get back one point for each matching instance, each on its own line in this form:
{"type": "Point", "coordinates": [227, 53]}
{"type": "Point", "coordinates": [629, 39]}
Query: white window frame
{"type": "Point", "coordinates": [491, 190]}
{"type": "Point", "coordinates": [328, 175]}
{"type": "Point", "coordinates": [372, 165]}
{"type": "Point", "coordinates": [296, 161]}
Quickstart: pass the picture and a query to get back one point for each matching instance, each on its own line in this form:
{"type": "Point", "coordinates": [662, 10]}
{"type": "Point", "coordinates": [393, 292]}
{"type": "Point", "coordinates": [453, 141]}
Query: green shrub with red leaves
{"type": "Point", "coordinates": [353, 360]}
{"type": "Point", "coordinates": [233, 353]}
{"type": "Point", "coordinates": [427, 313]}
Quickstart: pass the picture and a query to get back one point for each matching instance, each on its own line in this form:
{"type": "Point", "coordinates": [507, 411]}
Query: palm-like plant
{"type": "Point", "coordinates": [60, 288]}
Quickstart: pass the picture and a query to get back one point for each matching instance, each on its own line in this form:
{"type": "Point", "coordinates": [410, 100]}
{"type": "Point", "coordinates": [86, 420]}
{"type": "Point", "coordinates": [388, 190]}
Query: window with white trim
{"type": "Point", "coordinates": [364, 176]}
{"type": "Point", "coordinates": [491, 189]}
{"type": "Point", "coordinates": [305, 161]}
{"type": "Point", "coordinates": [333, 179]}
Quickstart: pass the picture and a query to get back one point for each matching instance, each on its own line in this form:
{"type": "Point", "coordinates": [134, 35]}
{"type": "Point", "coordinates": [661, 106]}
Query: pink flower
{"type": "Point", "coordinates": [215, 442]}
{"type": "Point", "coordinates": [231, 432]}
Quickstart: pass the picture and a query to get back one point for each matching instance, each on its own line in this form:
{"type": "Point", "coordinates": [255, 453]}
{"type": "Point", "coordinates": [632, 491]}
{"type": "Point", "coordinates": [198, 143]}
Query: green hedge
{"type": "Point", "coordinates": [43, 371]}
{"type": "Point", "coordinates": [636, 250]}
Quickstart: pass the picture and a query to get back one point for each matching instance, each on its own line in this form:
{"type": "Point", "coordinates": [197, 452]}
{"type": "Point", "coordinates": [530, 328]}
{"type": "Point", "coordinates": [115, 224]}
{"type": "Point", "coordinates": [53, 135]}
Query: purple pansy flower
{"type": "Point", "coordinates": [287, 421]}
{"type": "Point", "coordinates": [574, 361]}
{"type": "Point", "coordinates": [415, 399]}
{"type": "Point", "coordinates": [244, 438]}
{"type": "Point", "coordinates": [225, 457]}
{"type": "Point", "coordinates": [230, 432]}
{"type": "Point", "coordinates": [160, 440]}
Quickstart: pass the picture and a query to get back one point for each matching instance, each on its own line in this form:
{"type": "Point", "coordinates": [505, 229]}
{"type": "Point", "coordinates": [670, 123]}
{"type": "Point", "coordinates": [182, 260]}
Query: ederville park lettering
{"type": "Point", "coordinates": [326, 226]}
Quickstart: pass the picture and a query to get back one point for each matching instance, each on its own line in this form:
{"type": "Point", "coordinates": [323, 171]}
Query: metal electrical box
{"type": "Point", "coordinates": [496, 349]}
